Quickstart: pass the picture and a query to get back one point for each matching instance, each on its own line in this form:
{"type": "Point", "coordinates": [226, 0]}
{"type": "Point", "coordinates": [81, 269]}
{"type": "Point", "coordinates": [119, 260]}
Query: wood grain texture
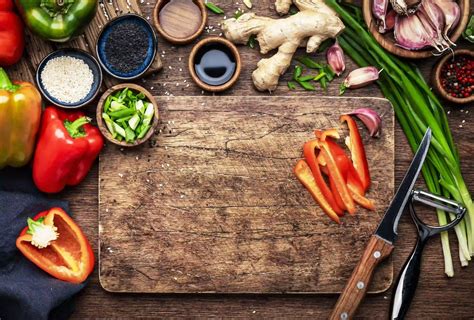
{"type": "Point", "coordinates": [437, 296]}
{"type": "Point", "coordinates": [354, 292]}
{"type": "Point", "coordinates": [36, 48]}
{"type": "Point", "coordinates": [212, 205]}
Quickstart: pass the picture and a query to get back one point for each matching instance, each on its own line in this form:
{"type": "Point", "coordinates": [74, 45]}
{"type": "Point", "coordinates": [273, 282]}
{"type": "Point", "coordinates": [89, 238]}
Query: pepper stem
{"type": "Point", "coordinates": [75, 128]}
{"type": "Point", "coordinates": [5, 82]}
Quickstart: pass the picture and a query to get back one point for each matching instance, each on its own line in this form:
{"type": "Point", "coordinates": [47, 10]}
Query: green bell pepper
{"type": "Point", "coordinates": [57, 20]}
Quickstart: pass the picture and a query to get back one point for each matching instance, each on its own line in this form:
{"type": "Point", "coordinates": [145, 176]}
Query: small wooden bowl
{"type": "Point", "coordinates": [103, 127]}
{"type": "Point", "coordinates": [238, 64]}
{"type": "Point", "coordinates": [185, 18]}
{"type": "Point", "coordinates": [436, 75]}
{"type": "Point", "coordinates": [388, 42]}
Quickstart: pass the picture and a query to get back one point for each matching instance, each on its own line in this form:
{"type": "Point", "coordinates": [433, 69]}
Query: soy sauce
{"type": "Point", "coordinates": [214, 64]}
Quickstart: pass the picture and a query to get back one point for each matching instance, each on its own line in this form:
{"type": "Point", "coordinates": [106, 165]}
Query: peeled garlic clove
{"type": "Point", "coordinates": [359, 78]}
{"type": "Point", "coordinates": [335, 58]}
{"type": "Point", "coordinates": [371, 120]}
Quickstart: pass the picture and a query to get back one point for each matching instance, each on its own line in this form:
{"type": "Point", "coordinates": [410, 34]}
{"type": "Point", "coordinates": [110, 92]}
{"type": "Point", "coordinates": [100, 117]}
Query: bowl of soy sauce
{"type": "Point", "coordinates": [214, 64]}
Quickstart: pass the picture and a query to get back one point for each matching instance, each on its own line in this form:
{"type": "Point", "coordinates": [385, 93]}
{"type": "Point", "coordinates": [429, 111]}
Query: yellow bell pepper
{"type": "Point", "coordinates": [20, 114]}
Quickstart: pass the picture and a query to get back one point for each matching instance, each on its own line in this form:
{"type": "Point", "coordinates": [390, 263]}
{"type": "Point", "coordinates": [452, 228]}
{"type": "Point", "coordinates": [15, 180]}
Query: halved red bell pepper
{"type": "Point", "coordinates": [357, 150]}
{"type": "Point", "coordinates": [56, 244]}
{"type": "Point", "coordinates": [66, 149]}
{"type": "Point", "coordinates": [309, 151]}
{"type": "Point", "coordinates": [305, 176]}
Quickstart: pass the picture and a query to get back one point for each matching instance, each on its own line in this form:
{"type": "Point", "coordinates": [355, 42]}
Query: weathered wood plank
{"type": "Point", "coordinates": [212, 205]}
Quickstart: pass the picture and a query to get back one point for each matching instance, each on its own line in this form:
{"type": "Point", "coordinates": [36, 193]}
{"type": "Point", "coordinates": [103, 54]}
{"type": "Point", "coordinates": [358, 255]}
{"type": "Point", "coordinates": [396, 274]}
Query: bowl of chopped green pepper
{"type": "Point", "coordinates": [127, 115]}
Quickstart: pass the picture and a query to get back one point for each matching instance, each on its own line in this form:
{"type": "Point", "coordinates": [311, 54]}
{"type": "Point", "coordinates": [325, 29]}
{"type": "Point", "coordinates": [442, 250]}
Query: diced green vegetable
{"type": "Point", "coordinates": [119, 129]}
{"type": "Point", "coordinates": [329, 72]}
{"type": "Point", "coordinates": [143, 131]}
{"type": "Point", "coordinates": [306, 85]}
{"type": "Point", "coordinates": [134, 121]}
{"type": "Point", "coordinates": [128, 115]}
{"type": "Point", "coordinates": [306, 78]}
{"type": "Point", "coordinates": [297, 73]}
{"type": "Point", "coordinates": [324, 83]}
{"type": "Point", "coordinates": [319, 76]}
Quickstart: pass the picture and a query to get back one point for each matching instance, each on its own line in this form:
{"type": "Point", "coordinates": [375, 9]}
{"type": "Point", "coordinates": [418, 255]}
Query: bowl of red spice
{"type": "Point", "coordinates": [453, 76]}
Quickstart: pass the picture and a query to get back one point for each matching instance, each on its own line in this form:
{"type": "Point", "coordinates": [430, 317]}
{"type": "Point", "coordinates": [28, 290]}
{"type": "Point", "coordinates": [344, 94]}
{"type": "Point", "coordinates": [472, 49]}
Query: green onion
{"type": "Point", "coordinates": [297, 73]}
{"type": "Point", "coordinates": [129, 116]}
{"type": "Point", "coordinates": [319, 76]}
{"type": "Point", "coordinates": [306, 85]}
{"type": "Point", "coordinates": [416, 108]}
{"type": "Point", "coordinates": [211, 6]}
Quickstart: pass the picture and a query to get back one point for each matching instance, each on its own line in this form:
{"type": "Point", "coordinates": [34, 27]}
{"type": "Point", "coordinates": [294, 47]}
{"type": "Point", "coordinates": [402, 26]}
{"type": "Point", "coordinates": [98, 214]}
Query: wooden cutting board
{"type": "Point", "coordinates": [37, 48]}
{"type": "Point", "coordinates": [211, 205]}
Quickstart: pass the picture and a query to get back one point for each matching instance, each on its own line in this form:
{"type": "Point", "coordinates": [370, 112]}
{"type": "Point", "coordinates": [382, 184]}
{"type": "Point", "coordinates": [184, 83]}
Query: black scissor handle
{"type": "Point", "coordinates": [405, 286]}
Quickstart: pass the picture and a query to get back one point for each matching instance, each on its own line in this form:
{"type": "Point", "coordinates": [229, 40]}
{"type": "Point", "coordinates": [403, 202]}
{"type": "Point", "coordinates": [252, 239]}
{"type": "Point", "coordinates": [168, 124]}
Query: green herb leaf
{"type": "Point", "coordinates": [252, 42]}
{"type": "Point", "coordinates": [468, 34]}
{"type": "Point", "coordinates": [310, 63]}
{"type": "Point", "coordinates": [211, 6]}
{"type": "Point", "coordinates": [297, 72]}
{"type": "Point", "coordinates": [291, 85]}
{"type": "Point", "coordinates": [306, 85]}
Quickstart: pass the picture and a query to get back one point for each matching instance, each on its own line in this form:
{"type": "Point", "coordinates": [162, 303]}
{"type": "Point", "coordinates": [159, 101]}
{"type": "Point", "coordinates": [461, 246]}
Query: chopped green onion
{"type": "Point", "coordinates": [306, 85]}
{"type": "Point", "coordinates": [310, 63]}
{"type": "Point", "coordinates": [134, 121]}
{"type": "Point", "coordinates": [291, 85]}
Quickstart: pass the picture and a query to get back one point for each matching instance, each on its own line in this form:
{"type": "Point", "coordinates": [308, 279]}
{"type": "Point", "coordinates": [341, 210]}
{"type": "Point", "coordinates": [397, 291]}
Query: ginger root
{"type": "Point", "coordinates": [314, 23]}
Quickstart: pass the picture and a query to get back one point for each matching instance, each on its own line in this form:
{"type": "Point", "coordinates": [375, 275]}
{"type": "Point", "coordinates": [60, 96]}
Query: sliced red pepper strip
{"type": "Point", "coordinates": [309, 151]}
{"type": "Point", "coordinates": [69, 257]}
{"type": "Point", "coordinates": [335, 193]}
{"type": "Point", "coordinates": [360, 199]}
{"type": "Point", "coordinates": [358, 155]}
{"type": "Point", "coordinates": [338, 177]}
{"type": "Point", "coordinates": [323, 134]}
{"type": "Point", "coordinates": [305, 176]}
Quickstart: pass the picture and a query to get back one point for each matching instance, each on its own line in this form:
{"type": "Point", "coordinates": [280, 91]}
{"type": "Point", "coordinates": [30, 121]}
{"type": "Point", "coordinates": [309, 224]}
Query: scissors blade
{"type": "Point", "coordinates": [387, 228]}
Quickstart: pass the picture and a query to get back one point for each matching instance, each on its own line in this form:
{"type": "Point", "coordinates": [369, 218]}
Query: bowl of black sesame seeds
{"type": "Point", "coordinates": [126, 46]}
{"type": "Point", "coordinates": [69, 78]}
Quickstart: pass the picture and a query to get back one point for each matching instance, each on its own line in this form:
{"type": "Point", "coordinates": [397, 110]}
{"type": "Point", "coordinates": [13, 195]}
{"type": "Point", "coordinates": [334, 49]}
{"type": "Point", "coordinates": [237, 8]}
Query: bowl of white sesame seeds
{"type": "Point", "coordinates": [69, 78]}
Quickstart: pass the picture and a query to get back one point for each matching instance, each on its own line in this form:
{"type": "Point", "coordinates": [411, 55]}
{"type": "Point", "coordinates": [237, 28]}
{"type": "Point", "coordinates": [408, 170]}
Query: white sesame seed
{"type": "Point", "coordinates": [120, 175]}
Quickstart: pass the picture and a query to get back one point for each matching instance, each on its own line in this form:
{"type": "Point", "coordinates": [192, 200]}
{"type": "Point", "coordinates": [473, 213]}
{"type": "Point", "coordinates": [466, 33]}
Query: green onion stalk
{"type": "Point", "coordinates": [416, 109]}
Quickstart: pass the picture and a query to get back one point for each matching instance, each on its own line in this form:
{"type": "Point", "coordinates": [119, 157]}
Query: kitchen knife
{"type": "Point", "coordinates": [380, 244]}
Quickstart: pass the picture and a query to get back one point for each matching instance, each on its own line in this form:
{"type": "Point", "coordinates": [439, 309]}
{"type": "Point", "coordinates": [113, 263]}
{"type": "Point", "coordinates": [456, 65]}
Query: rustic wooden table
{"type": "Point", "coordinates": [437, 296]}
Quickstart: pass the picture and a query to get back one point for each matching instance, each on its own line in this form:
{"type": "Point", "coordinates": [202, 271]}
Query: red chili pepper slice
{"type": "Point", "coordinates": [358, 155]}
{"type": "Point", "coordinates": [305, 176]}
{"type": "Point", "coordinates": [309, 151]}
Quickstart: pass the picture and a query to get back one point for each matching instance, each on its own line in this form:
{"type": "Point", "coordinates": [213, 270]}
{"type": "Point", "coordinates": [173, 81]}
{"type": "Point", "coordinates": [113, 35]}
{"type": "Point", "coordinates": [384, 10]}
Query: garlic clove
{"type": "Point", "coordinates": [410, 33]}
{"type": "Point", "coordinates": [379, 10]}
{"type": "Point", "coordinates": [359, 78]}
{"type": "Point", "coordinates": [335, 58]}
{"type": "Point", "coordinates": [371, 120]}
{"type": "Point", "coordinates": [452, 14]}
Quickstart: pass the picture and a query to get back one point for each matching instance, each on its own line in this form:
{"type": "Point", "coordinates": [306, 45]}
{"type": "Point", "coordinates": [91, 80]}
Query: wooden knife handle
{"type": "Point", "coordinates": [376, 251]}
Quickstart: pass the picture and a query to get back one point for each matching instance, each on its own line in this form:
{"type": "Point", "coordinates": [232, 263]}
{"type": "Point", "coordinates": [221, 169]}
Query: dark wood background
{"type": "Point", "coordinates": [437, 296]}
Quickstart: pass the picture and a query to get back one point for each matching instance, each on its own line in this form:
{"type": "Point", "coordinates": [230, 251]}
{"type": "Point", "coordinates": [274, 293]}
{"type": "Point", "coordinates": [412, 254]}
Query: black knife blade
{"type": "Point", "coordinates": [387, 228]}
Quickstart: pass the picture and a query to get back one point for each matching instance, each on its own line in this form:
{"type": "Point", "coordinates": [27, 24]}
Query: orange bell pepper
{"type": "Point", "coordinates": [358, 156]}
{"type": "Point", "coordinates": [309, 151]}
{"type": "Point", "coordinates": [305, 176]}
{"type": "Point", "coordinates": [55, 243]}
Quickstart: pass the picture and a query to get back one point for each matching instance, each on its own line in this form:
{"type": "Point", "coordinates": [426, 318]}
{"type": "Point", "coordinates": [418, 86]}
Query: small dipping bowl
{"type": "Point", "coordinates": [103, 127]}
{"type": "Point", "coordinates": [105, 36]}
{"type": "Point", "coordinates": [180, 21]}
{"type": "Point", "coordinates": [214, 64]}
{"type": "Point", "coordinates": [88, 59]}
{"type": "Point", "coordinates": [436, 76]}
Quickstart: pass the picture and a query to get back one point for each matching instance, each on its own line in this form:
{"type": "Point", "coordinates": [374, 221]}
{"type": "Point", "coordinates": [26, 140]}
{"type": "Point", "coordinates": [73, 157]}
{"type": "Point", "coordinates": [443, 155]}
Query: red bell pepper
{"type": "Point", "coordinates": [66, 149]}
{"type": "Point", "coordinates": [55, 243]}
{"type": "Point", "coordinates": [305, 176]}
{"type": "Point", "coordinates": [358, 156]}
{"type": "Point", "coordinates": [12, 39]}
{"type": "Point", "coordinates": [309, 151]}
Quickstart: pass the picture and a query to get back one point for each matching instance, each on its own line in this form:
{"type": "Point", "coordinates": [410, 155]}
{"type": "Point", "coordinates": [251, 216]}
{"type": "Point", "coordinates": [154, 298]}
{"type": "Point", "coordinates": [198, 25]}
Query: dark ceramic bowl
{"type": "Point", "coordinates": [104, 36]}
{"type": "Point", "coordinates": [78, 54]}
